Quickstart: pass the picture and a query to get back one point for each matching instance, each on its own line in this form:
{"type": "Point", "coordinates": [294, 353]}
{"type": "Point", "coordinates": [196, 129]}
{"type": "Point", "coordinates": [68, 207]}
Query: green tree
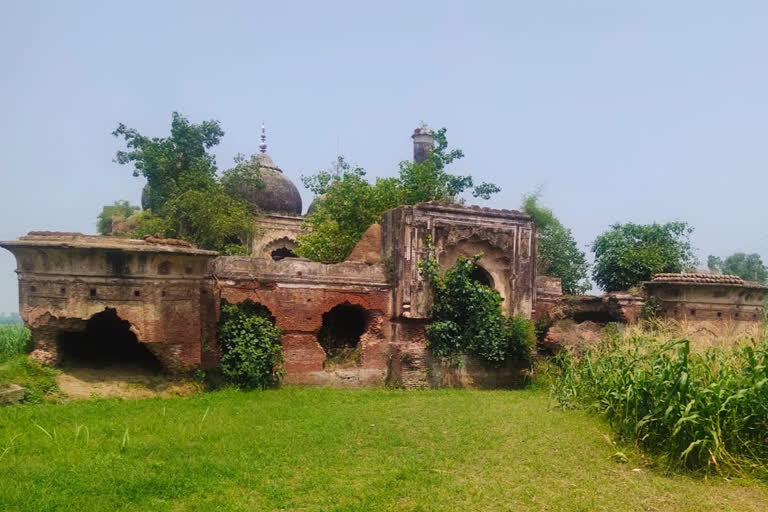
{"type": "Point", "coordinates": [749, 267]}
{"type": "Point", "coordinates": [171, 165]}
{"type": "Point", "coordinates": [628, 254]}
{"type": "Point", "coordinates": [349, 206]}
{"type": "Point", "coordinates": [429, 181]}
{"type": "Point", "coordinates": [120, 211]}
{"type": "Point", "coordinates": [558, 254]}
{"type": "Point", "coordinates": [350, 203]}
{"type": "Point", "coordinates": [210, 219]}
{"type": "Point", "coordinates": [183, 197]}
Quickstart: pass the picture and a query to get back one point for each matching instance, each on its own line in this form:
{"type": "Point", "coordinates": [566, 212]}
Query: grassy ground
{"type": "Point", "coordinates": [323, 450]}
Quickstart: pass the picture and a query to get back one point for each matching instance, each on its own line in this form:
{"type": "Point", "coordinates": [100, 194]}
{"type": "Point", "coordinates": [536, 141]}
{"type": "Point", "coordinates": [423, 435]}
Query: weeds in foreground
{"type": "Point", "coordinates": [705, 411]}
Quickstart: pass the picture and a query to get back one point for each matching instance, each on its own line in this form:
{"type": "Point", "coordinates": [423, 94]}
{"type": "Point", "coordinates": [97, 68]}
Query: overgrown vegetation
{"type": "Point", "coordinates": [704, 411]}
{"type": "Point", "coordinates": [467, 318]}
{"type": "Point", "coordinates": [252, 356]}
{"type": "Point", "coordinates": [652, 308]}
{"type": "Point", "coordinates": [120, 211]}
{"type": "Point", "coordinates": [749, 267]}
{"type": "Point", "coordinates": [183, 197]}
{"type": "Point", "coordinates": [628, 254]}
{"type": "Point", "coordinates": [347, 203]}
{"type": "Point", "coordinates": [558, 253]}
{"type": "Point", "coordinates": [14, 339]}
{"type": "Point", "coordinates": [15, 367]}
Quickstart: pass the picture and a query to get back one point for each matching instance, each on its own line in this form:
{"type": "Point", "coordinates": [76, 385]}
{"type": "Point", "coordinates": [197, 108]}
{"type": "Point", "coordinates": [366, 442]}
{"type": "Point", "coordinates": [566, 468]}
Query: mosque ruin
{"type": "Point", "coordinates": [161, 299]}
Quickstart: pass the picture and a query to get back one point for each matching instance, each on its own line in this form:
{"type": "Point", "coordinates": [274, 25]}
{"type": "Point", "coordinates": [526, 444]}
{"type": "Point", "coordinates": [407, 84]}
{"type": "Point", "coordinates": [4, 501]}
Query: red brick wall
{"type": "Point", "coordinates": [299, 313]}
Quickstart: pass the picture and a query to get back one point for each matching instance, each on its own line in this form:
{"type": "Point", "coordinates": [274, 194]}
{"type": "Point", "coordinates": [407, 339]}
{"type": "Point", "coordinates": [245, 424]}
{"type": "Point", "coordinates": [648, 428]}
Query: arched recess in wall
{"type": "Point", "coordinates": [480, 275]}
{"type": "Point", "coordinates": [281, 248]}
{"type": "Point", "coordinates": [106, 342]}
{"type": "Point", "coordinates": [494, 266]}
{"type": "Point", "coordinates": [340, 333]}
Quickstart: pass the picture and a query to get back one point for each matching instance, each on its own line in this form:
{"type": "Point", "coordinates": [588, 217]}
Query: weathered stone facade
{"type": "Point", "coordinates": [708, 298]}
{"type": "Point", "coordinates": [298, 292]}
{"type": "Point", "coordinates": [504, 237]}
{"type": "Point", "coordinates": [166, 295]}
{"type": "Point", "coordinates": [163, 291]}
{"type": "Point", "coordinates": [171, 294]}
{"type": "Point", "coordinates": [277, 236]}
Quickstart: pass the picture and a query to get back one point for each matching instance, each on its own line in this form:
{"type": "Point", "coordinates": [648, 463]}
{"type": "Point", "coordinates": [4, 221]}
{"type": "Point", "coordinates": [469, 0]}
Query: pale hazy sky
{"type": "Point", "coordinates": [655, 111]}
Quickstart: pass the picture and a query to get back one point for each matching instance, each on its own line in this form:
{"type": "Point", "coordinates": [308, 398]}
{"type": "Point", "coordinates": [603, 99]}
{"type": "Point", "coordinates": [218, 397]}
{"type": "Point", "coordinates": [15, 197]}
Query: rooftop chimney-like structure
{"type": "Point", "coordinates": [423, 141]}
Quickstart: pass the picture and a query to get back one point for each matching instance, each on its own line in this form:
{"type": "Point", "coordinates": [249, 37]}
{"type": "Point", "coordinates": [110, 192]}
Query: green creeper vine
{"type": "Point", "coordinates": [467, 318]}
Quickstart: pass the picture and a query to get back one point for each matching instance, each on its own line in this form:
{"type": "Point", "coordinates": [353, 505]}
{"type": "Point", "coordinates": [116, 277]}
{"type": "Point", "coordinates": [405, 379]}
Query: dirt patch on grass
{"type": "Point", "coordinates": [121, 381]}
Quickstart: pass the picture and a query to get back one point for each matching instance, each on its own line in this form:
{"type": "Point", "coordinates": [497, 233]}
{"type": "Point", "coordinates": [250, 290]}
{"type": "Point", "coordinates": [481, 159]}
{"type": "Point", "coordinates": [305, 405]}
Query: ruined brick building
{"type": "Point", "coordinates": [78, 292]}
{"type": "Point", "coordinates": [161, 299]}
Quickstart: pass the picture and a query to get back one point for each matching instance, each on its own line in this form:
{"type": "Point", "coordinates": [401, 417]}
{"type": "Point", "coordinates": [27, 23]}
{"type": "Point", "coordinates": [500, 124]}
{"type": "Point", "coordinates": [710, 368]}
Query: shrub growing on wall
{"type": "Point", "coordinates": [467, 318]}
{"type": "Point", "coordinates": [252, 356]}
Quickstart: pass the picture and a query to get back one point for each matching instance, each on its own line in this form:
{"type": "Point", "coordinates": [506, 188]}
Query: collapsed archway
{"type": "Point", "coordinates": [107, 341]}
{"type": "Point", "coordinates": [340, 334]}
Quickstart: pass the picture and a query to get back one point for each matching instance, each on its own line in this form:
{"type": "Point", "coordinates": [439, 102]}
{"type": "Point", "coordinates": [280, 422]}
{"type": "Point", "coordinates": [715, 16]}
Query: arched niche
{"type": "Point", "coordinates": [493, 268]}
{"type": "Point", "coordinates": [280, 248]}
{"type": "Point", "coordinates": [341, 332]}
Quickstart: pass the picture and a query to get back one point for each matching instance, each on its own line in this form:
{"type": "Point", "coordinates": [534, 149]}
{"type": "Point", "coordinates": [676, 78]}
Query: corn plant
{"type": "Point", "coordinates": [14, 339]}
{"type": "Point", "coordinates": [700, 411]}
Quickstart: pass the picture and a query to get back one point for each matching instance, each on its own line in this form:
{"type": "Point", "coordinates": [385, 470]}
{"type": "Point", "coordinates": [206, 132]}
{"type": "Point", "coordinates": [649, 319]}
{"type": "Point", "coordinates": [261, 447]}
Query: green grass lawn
{"type": "Point", "coordinates": [323, 449]}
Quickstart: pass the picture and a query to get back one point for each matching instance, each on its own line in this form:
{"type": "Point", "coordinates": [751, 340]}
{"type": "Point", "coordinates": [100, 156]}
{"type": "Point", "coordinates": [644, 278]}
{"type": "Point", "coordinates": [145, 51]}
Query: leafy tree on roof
{"type": "Point", "coordinates": [174, 164]}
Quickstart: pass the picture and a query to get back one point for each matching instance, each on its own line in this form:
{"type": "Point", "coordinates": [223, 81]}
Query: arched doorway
{"type": "Point", "coordinates": [340, 334]}
{"type": "Point", "coordinates": [106, 342]}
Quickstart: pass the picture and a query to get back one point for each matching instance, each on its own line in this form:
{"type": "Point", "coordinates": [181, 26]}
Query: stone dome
{"type": "Point", "coordinates": [278, 195]}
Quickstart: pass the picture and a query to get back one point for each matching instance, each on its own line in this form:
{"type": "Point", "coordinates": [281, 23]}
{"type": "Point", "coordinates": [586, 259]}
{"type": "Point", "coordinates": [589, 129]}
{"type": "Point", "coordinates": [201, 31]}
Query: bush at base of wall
{"type": "Point", "coordinates": [252, 356]}
{"type": "Point", "coordinates": [467, 318]}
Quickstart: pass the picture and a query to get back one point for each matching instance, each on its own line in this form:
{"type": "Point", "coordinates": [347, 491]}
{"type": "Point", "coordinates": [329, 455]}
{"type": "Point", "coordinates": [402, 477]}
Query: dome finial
{"type": "Point", "coordinates": [263, 145]}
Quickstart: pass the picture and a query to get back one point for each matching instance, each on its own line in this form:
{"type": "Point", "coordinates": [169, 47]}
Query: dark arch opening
{"type": "Point", "coordinates": [106, 341]}
{"type": "Point", "coordinates": [480, 275]}
{"type": "Point", "coordinates": [340, 334]}
{"type": "Point", "coordinates": [282, 252]}
{"type": "Point", "coordinates": [599, 317]}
